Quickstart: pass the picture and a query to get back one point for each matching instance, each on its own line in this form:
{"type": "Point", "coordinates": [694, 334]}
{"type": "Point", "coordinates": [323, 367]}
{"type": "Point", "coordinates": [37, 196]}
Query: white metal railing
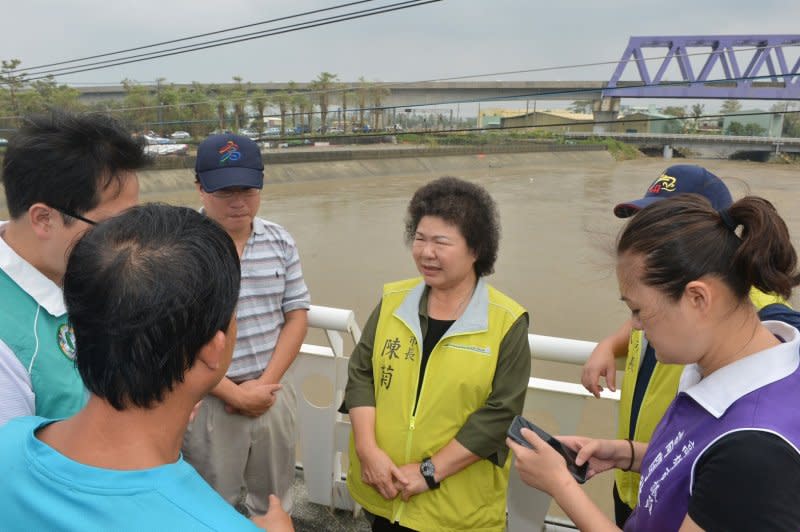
{"type": "Point", "coordinates": [324, 433]}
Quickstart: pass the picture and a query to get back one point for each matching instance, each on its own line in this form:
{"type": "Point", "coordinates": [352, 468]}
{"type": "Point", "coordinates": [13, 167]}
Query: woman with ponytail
{"type": "Point", "coordinates": [725, 455]}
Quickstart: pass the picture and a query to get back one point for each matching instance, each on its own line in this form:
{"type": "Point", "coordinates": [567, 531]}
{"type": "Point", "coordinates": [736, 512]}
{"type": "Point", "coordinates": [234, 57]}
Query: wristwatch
{"type": "Point", "coordinates": [427, 469]}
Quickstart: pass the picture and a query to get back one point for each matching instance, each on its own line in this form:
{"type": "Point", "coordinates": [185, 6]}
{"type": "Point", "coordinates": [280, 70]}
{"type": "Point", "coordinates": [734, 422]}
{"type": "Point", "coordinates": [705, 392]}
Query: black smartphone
{"type": "Point", "coordinates": [514, 432]}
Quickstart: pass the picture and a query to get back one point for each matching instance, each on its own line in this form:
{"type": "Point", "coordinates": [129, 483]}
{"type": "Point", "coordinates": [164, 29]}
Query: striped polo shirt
{"type": "Point", "coordinates": [272, 285]}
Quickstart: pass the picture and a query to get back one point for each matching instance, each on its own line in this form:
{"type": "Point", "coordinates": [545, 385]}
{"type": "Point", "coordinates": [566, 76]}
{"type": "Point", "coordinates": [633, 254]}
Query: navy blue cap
{"type": "Point", "coordinates": [680, 179]}
{"type": "Point", "coordinates": [228, 160]}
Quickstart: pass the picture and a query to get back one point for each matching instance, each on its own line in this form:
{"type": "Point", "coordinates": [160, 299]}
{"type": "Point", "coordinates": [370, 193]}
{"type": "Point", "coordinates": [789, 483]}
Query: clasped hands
{"type": "Point", "coordinates": [253, 398]}
{"type": "Point", "coordinates": [378, 471]}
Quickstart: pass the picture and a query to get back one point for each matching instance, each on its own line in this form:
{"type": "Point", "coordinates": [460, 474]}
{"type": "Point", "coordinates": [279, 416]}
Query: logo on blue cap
{"type": "Point", "coordinates": [230, 152]}
{"type": "Point", "coordinates": [665, 182]}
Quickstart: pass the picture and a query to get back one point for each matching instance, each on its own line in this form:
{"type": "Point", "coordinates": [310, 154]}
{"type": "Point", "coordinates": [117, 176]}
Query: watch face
{"type": "Point", "coordinates": [427, 468]}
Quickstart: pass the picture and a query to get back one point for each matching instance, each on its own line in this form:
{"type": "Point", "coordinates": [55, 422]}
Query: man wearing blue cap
{"type": "Point", "coordinates": [242, 440]}
{"type": "Point", "coordinates": [649, 386]}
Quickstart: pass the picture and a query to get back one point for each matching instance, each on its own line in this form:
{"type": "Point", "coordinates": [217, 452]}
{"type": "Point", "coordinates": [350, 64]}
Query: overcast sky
{"type": "Point", "coordinates": [448, 38]}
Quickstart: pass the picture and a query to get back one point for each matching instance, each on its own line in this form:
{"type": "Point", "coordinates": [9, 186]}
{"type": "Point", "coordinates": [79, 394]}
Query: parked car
{"type": "Point", "coordinates": [302, 129]}
{"type": "Point", "coordinates": [181, 135]}
{"type": "Point", "coordinates": [166, 149]}
{"type": "Point", "coordinates": [252, 134]}
{"type": "Point", "coordinates": [272, 132]}
{"type": "Point", "coordinates": [151, 138]}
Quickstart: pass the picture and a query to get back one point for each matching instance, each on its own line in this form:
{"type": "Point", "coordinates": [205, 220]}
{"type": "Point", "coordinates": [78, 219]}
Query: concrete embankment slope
{"type": "Point", "coordinates": [289, 167]}
{"type": "Point", "coordinates": [176, 175]}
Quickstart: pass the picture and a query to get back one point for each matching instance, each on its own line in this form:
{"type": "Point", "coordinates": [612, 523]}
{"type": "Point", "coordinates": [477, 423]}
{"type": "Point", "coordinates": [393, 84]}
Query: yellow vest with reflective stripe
{"type": "Point", "coordinates": [457, 381]}
{"type": "Point", "coordinates": [660, 391]}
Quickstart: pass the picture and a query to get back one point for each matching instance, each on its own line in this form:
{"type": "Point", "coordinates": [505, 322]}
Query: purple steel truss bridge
{"type": "Point", "coordinates": [767, 76]}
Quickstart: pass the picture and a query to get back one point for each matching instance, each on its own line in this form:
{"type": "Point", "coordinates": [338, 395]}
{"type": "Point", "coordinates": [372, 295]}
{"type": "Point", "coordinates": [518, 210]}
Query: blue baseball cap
{"type": "Point", "coordinates": [680, 179]}
{"type": "Point", "coordinates": [228, 160]}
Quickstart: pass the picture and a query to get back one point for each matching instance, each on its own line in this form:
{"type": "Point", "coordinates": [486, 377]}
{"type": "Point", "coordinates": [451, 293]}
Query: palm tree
{"type": "Point", "coordinates": [220, 95]}
{"type": "Point", "coordinates": [362, 91]}
{"type": "Point", "coordinates": [291, 89]}
{"type": "Point", "coordinates": [282, 99]}
{"type": "Point", "coordinates": [323, 85]}
{"type": "Point", "coordinates": [239, 98]}
{"type": "Point", "coordinates": [344, 94]}
{"type": "Point", "coordinates": [303, 105]}
{"type": "Point", "coordinates": [260, 100]}
{"type": "Point", "coordinates": [377, 94]}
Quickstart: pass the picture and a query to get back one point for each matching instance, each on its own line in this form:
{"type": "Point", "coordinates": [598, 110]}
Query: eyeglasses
{"type": "Point", "coordinates": [71, 214]}
{"type": "Point", "coordinates": [228, 193]}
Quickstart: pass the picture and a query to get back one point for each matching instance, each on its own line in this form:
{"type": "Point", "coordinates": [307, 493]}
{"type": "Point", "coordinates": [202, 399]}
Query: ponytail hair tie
{"type": "Point", "coordinates": [727, 219]}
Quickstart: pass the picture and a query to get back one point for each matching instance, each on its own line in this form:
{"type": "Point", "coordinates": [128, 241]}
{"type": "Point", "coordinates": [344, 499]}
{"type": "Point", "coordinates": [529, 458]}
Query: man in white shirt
{"type": "Point", "coordinates": [61, 174]}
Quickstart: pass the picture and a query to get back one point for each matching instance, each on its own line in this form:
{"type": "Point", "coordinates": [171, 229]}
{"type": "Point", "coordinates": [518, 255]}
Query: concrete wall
{"type": "Point", "coordinates": [455, 160]}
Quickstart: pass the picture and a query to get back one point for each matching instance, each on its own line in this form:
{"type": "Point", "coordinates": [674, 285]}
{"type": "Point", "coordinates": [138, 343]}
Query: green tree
{"type": "Point", "coordinates": [747, 130]}
{"type": "Point", "coordinates": [46, 94]}
{"type": "Point", "coordinates": [291, 89]}
{"type": "Point", "coordinates": [730, 107]}
{"type": "Point", "coordinates": [674, 110]}
{"type": "Point", "coordinates": [323, 86]}
{"type": "Point", "coordinates": [378, 93]}
{"type": "Point", "coordinates": [238, 96]}
{"type": "Point", "coordinates": [260, 100]}
{"type": "Point", "coordinates": [698, 109]}
{"type": "Point", "coordinates": [303, 105]}
{"type": "Point", "coordinates": [283, 100]}
{"type": "Point", "coordinates": [198, 109]}
{"type": "Point", "coordinates": [362, 93]}
{"type": "Point", "coordinates": [139, 105]}
{"type": "Point", "coordinates": [221, 96]}
{"type": "Point", "coordinates": [345, 94]}
{"type": "Point", "coordinates": [13, 83]}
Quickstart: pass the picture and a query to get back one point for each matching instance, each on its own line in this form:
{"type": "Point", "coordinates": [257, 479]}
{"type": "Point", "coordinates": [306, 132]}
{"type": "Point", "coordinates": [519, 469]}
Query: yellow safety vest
{"type": "Point", "coordinates": [457, 382]}
{"type": "Point", "coordinates": [660, 391]}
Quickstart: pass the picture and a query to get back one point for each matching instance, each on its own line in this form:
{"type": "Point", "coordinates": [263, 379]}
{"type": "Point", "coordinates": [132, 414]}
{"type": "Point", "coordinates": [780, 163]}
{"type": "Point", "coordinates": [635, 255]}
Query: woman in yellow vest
{"type": "Point", "coordinates": [441, 369]}
{"type": "Point", "coordinates": [649, 386]}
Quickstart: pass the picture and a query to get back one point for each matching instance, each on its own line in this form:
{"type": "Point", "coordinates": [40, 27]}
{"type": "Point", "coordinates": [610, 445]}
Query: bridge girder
{"type": "Point", "coordinates": [767, 75]}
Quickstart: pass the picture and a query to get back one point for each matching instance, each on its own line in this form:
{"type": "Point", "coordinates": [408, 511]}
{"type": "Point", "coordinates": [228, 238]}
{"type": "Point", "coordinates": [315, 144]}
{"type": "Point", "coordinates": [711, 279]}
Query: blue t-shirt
{"type": "Point", "coordinates": [41, 489]}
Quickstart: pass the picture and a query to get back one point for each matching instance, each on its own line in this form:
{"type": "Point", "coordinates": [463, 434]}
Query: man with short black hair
{"type": "Point", "coordinates": [243, 438]}
{"type": "Point", "coordinates": [151, 295]}
{"type": "Point", "coordinates": [61, 174]}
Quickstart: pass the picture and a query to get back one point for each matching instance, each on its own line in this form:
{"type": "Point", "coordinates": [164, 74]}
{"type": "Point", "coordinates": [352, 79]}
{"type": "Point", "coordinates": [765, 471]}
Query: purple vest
{"type": "Point", "coordinates": [687, 430]}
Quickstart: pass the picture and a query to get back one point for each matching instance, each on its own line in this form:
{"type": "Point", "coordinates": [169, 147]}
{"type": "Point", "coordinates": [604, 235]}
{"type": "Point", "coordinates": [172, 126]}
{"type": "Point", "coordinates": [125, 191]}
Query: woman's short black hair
{"type": "Point", "coordinates": [467, 206]}
{"type": "Point", "coordinates": [144, 292]}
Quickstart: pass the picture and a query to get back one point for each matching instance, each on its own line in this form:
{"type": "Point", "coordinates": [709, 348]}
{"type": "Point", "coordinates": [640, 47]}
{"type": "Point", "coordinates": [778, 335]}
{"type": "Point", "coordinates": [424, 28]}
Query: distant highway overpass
{"type": "Point", "coordinates": [412, 93]}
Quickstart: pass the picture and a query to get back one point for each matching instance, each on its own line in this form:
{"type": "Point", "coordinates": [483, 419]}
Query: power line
{"type": "Point", "coordinates": [235, 39]}
{"type": "Point", "coordinates": [192, 37]}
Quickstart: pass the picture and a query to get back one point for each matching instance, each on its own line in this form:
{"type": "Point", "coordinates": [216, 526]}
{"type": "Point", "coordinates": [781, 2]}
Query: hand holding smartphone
{"type": "Point", "coordinates": [514, 432]}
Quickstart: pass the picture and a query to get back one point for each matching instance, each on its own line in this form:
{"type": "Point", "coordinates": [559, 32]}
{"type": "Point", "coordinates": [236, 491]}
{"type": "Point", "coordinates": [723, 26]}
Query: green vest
{"type": "Point", "coordinates": [660, 391]}
{"type": "Point", "coordinates": [45, 345]}
{"type": "Point", "coordinates": [457, 381]}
